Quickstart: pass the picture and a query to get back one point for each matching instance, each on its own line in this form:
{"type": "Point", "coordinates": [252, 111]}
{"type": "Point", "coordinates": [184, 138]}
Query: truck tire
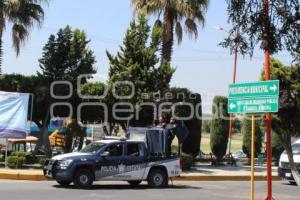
{"type": "Point", "coordinates": [158, 178]}
{"type": "Point", "coordinates": [134, 183]}
{"type": "Point", "coordinates": [292, 182]}
{"type": "Point", "coordinates": [64, 183]}
{"type": "Point", "coordinates": [83, 179]}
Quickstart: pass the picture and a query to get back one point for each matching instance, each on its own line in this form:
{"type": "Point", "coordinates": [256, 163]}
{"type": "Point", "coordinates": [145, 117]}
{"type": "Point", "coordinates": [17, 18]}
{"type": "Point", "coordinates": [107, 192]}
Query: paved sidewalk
{"type": "Point", "coordinates": [201, 172]}
{"type": "Point", "coordinates": [206, 172]}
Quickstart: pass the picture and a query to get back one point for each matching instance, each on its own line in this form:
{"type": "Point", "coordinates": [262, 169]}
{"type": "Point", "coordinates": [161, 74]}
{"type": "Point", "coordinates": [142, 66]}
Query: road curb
{"type": "Point", "coordinates": [223, 178]}
{"type": "Point", "coordinates": [41, 177]}
{"type": "Point", "coordinates": [22, 176]}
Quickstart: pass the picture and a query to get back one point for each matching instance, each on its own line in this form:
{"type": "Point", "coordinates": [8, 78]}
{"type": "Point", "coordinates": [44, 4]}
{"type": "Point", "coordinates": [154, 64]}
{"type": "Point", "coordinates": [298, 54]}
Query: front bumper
{"type": "Point", "coordinates": [51, 171]}
{"type": "Point", "coordinates": [48, 168]}
{"type": "Point", "coordinates": [285, 174]}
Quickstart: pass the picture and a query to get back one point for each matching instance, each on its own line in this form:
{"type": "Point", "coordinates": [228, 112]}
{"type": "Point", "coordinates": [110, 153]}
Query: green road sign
{"type": "Point", "coordinates": [255, 89]}
{"type": "Point", "coordinates": [253, 105]}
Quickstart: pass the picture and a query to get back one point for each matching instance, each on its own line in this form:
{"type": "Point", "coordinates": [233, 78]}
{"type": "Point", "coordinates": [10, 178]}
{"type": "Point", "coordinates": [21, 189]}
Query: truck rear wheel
{"type": "Point", "coordinates": [158, 178]}
{"type": "Point", "coordinates": [83, 179]}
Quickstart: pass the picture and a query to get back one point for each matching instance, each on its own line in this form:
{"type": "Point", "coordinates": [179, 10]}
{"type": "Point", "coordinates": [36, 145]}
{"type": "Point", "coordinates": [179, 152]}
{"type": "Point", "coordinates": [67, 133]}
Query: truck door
{"type": "Point", "coordinates": [135, 161]}
{"type": "Point", "coordinates": [109, 166]}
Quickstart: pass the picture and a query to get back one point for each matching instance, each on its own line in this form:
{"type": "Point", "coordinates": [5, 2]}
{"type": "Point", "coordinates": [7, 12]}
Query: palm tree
{"type": "Point", "coordinates": [23, 15]}
{"type": "Point", "coordinates": [175, 14]}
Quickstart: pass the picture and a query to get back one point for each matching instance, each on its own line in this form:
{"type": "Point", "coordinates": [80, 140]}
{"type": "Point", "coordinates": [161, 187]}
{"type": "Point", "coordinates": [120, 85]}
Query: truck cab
{"type": "Point", "coordinates": [284, 170]}
{"type": "Point", "coordinates": [121, 160]}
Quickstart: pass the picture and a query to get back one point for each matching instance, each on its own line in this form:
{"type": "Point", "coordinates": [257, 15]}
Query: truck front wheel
{"type": "Point", "coordinates": [158, 178]}
{"type": "Point", "coordinates": [83, 178]}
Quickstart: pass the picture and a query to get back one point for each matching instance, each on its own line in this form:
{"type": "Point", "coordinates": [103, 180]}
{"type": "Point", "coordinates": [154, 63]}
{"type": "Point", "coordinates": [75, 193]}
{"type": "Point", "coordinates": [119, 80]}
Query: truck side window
{"type": "Point", "coordinates": [115, 150]}
{"type": "Point", "coordinates": [133, 150]}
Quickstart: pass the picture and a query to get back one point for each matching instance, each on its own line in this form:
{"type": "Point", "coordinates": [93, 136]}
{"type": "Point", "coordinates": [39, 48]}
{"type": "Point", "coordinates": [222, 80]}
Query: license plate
{"type": "Point", "coordinates": [288, 175]}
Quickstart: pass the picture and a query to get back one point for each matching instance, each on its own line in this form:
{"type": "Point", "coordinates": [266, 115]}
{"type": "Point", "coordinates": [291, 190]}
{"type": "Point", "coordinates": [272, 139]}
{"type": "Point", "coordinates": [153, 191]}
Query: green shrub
{"type": "Point", "coordinates": [219, 127]}
{"type": "Point", "coordinates": [20, 154]}
{"type": "Point", "coordinates": [40, 159]}
{"type": "Point", "coordinates": [246, 130]}
{"type": "Point", "coordinates": [2, 159]}
{"type": "Point", "coordinates": [187, 161]}
{"type": "Point", "coordinates": [15, 162]}
{"type": "Point", "coordinates": [25, 155]}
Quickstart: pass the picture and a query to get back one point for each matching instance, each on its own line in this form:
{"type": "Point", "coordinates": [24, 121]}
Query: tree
{"type": "Point", "coordinates": [247, 136]}
{"type": "Point", "coordinates": [286, 123]}
{"type": "Point", "coordinates": [183, 95]}
{"type": "Point", "coordinates": [236, 126]}
{"type": "Point", "coordinates": [280, 31]}
{"type": "Point", "coordinates": [65, 57]}
{"type": "Point", "coordinates": [219, 127]}
{"type": "Point", "coordinates": [22, 14]}
{"type": "Point", "coordinates": [277, 147]}
{"type": "Point", "coordinates": [19, 83]}
{"type": "Point", "coordinates": [174, 13]}
{"type": "Point", "coordinates": [137, 63]}
{"type": "Point", "coordinates": [92, 114]}
{"type": "Point", "coordinates": [206, 126]}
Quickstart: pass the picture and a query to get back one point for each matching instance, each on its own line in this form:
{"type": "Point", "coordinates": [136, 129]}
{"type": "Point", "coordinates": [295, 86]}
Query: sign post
{"type": "Point", "coordinates": [252, 157]}
{"type": "Point", "coordinates": [251, 98]}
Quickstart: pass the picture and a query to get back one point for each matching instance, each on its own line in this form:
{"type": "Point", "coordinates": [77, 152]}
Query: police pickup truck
{"type": "Point", "coordinates": [121, 160]}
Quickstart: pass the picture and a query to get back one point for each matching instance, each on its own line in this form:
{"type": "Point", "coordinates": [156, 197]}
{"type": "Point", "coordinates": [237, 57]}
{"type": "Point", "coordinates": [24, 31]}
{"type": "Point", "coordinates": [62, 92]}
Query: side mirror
{"type": "Point", "coordinates": [104, 154]}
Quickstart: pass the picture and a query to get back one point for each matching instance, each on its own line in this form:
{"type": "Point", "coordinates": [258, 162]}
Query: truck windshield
{"type": "Point", "coordinates": [296, 149]}
{"type": "Point", "coordinates": [92, 148]}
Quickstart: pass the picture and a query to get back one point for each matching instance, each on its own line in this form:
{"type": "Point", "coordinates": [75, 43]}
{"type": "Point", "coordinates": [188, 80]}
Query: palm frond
{"type": "Point", "coordinates": [147, 7]}
{"type": "Point", "coordinates": [191, 27]}
{"type": "Point", "coordinates": [2, 24]}
{"type": "Point", "coordinates": [179, 32]}
{"type": "Point", "coordinates": [19, 35]}
{"type": "Point", "coordinates": [27, 14]}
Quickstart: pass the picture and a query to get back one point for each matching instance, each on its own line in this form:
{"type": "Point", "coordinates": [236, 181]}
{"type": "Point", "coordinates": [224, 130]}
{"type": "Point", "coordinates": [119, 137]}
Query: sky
{"type": "Point", "coordinates": [202, 65]}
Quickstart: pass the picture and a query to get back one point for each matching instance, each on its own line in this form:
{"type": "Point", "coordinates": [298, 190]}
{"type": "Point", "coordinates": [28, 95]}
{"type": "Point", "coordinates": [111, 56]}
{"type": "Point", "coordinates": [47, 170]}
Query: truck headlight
{"type": "Point", "coordinates": [63, 164]}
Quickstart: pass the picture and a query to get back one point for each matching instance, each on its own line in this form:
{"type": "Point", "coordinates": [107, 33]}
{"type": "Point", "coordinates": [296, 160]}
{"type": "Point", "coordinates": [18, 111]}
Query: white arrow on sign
{"type": "Point", "coordinates": [232, 106]}
{"type": "Point", "coordinates": [274, 88]}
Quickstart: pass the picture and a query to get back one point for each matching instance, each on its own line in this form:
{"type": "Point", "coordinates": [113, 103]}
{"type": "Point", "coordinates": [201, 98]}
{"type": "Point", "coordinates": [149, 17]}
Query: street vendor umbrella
{"type": "Point", "coordinates": [13, 116]}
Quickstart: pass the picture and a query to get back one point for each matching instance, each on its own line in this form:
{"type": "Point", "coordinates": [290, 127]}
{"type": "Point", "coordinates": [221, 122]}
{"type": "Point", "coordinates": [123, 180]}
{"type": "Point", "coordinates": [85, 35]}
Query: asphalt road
{"type": "Point", "coordinates": [49, 190]}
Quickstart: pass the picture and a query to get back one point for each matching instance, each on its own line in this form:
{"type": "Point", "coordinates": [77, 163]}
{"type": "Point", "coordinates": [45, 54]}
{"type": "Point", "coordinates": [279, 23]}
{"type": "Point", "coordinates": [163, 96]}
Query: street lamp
{"type": "Point", "coordinates": [235, 38]}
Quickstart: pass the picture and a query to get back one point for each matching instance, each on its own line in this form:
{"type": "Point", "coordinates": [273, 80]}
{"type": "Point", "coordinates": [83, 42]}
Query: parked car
{"type": "Point", "coordinates": [284, 170]}
{"type": "Point", "coordinates": [239, 155]}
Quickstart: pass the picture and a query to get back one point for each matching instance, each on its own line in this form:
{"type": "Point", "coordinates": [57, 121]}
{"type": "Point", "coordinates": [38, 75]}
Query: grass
{"type": "Point", "coordinates": [236, 142]}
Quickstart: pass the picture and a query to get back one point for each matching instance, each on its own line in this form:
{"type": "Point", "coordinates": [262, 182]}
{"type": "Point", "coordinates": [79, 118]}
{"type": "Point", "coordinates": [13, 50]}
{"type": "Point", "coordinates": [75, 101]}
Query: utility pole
{"type": "Point", "coordinates": [268, 116]}
{"type": "Point", "coordinates": [231, 118]}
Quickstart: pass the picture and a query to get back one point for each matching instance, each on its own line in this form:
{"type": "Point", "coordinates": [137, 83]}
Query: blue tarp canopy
{"type": "Point", "coordinates": [13, 114]}
{"type": "Point", "coordinates": [35, 130]}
